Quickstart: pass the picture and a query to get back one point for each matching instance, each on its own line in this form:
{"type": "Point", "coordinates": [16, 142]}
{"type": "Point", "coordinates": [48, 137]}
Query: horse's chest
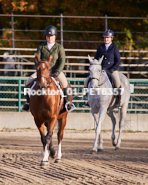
{"type": "Point", "coordinates": [97, 102]}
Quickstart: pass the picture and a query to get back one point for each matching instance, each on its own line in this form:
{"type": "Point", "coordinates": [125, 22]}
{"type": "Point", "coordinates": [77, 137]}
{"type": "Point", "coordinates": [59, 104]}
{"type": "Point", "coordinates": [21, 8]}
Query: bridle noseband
{"type": "Point", "coordinates": [94, 78]}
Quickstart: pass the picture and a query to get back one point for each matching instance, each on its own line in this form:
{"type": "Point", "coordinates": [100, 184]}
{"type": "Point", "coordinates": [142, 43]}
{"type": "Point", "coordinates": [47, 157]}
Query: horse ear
{"type": "Point", "coordinates": [37, 57]}
{"type": "Point", "coordinates": [50, 58]}
{"type": "Point", "coordinates": [90, 59]}
{"type": "Point", "coordinates": [100, 60]}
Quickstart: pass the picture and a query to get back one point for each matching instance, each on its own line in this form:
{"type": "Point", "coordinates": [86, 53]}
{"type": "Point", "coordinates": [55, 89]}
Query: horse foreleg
{"type": "Point", "coordinates": [48, 139]}
{"type": "Point", "coordinates": [62, 123]}
{"type": "Point", "coordinates": [121, 123]}
{"type": "Point", "coordinates": [51, 148]}
{"type": "Point", "coordinates": [41, 129]}
{"type": "Point", "coordinates": [44, 162]}
{"type": "Point", "coordinates": [111, 115]}
{"type": "Point", "coordinates": [100, 148]}
{"type": "Point", "coordinates": [102, 113]}
{"type": "Point", "coordinates": [95, 145]}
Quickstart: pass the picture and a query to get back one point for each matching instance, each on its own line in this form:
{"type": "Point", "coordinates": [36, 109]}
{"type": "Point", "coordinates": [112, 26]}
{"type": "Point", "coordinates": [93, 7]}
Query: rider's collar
{"type": "Point", "coordinates": [107, 45]}
{"type": "Point", "coordinates": [50, 45]}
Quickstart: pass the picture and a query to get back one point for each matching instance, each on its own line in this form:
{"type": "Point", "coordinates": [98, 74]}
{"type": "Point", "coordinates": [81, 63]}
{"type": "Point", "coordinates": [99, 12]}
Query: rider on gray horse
{"type": "Point", "coordinates": [110, 62]}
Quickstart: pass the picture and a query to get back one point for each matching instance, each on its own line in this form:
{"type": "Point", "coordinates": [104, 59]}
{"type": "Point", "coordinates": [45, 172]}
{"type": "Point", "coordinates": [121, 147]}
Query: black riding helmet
{"type": "Point", "coordinates": [108, 33]}
{"type": "Point", "coordinates": [50, 30]}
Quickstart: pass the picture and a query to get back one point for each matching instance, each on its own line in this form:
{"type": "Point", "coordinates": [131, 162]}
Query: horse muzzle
{"type": "Point", "coordinates": [41, 85]}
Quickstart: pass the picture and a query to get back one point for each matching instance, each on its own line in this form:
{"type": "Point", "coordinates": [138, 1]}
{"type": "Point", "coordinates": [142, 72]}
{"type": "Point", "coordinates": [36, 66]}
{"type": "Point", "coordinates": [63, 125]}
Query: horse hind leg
{"type": "Point", "coordinates": [100, 148]}
{"type": "Point", "coordinates": [113, 119]}
{"type": "Point", "coordinates": [121, 124]}
{"type": "Point", "coordinates": [62, 123]}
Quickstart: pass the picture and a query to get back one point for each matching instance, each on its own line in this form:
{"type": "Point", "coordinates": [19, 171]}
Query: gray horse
{"type": "Point", "coordinates": [101, 100]}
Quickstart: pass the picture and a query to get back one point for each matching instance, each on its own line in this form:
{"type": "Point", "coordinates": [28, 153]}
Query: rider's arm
{"type": "Point", "coordinates": [116, 58]}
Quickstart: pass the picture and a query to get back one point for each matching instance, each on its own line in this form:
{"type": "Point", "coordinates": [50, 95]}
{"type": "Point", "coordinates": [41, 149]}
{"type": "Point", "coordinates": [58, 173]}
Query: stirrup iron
{"type": "Point", "coordinates": [72, 106]}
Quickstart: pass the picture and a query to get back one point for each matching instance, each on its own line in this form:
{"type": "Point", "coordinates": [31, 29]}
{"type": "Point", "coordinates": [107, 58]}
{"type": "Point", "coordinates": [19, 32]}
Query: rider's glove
{"type": "Point", "coordinates": [56, 74]}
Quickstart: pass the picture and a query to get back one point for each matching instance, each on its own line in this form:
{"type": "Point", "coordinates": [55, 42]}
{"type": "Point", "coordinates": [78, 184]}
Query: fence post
{"type": "Point", "coordinates": [106, 23]}
{"type": "Point", "coordinates": [61, 23]}
{"type": "Point", "coordinates": [12, 27]}
{"type": "Point", "coordinates": [19, 96]}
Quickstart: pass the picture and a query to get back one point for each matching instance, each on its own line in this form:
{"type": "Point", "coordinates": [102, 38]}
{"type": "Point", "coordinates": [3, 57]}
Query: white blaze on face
{"type": "Point", "coordinates": [43, 65]}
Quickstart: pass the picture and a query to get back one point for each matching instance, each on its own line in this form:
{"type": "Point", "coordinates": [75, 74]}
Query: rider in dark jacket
{"type": "Point", "coordinates": [111, 62]}
{"type": "Point", "coordinates": [111, 58]}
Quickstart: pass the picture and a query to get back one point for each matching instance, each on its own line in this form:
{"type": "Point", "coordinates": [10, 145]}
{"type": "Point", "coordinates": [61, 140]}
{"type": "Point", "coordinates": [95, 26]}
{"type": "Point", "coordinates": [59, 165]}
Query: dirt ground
{"type": "Point", "coordinates": [21, 154]}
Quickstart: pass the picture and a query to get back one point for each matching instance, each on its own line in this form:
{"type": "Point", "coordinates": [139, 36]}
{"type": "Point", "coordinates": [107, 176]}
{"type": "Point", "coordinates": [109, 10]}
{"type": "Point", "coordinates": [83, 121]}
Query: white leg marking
{"type": "Point", "coordinates": [59, 154]}
{"type": "Point", "coordinates": [45, 154]}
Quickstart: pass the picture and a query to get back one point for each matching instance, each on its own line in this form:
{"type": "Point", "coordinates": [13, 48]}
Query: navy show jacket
{"type": "Point", "coordinates": [111, 56]}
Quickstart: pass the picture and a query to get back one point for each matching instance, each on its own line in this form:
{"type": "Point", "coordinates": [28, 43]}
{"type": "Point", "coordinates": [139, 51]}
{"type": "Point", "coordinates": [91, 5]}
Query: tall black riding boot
{"type": "Point", "coordinates": [25, 107]}
{"type": "Point", "coordinates": [118, 97]}
{"type": "Point", "coordinates": [69, 105]}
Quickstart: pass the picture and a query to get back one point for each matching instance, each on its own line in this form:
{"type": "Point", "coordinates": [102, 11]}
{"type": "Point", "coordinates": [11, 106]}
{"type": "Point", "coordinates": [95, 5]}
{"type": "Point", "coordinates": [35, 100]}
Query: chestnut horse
{"type": "Point", "coordinates": [46, 110]}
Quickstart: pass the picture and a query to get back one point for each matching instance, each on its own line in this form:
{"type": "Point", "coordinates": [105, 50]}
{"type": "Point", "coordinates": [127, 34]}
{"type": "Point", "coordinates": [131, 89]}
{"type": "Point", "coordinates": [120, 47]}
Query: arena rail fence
{"type": "Point", "coordinates": [12, 95]}
{"type": "Point", "coordinates": [76, 65]}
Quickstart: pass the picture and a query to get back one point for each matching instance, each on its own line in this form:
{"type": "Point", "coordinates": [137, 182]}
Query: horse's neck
{"type": "Point", "coordinates": [103, 76]}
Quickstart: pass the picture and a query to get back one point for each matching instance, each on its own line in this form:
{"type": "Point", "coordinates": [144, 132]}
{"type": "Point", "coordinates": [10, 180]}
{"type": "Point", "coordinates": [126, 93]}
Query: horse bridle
{"type": "Point", "coordinates": [43, 75]}
{"type": "Point", "coordinates": [98, 78]}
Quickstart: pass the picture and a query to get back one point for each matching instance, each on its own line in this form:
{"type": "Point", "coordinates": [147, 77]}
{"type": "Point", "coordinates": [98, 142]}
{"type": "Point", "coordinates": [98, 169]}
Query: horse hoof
{"type": "Point", "coordinates": [114, 144]}
{"type": "Point", "coordinates": [100, 150]}
{"type": "Point", "coordinates": [44, 164]}
{"type": "Point", "coordinates": [117, 148]}
{"type": "Point", "coordinates": [57, 161]}
{"type": "Point", "coordinates": [93, 152]}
